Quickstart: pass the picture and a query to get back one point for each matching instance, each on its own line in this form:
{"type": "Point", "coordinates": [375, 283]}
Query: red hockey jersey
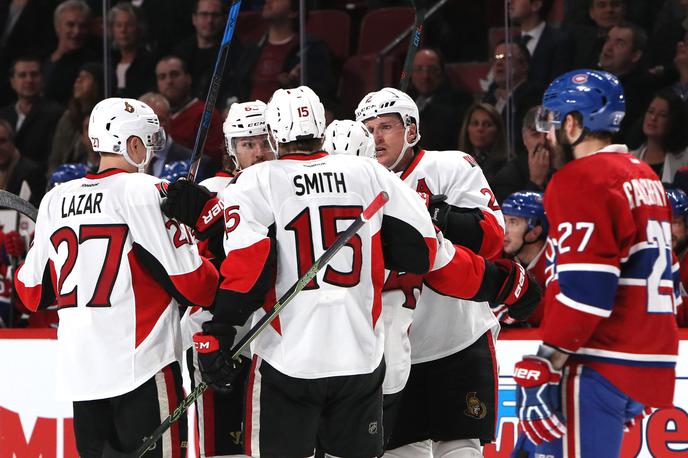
{"type": "Point", "coordinates": [611, 297]}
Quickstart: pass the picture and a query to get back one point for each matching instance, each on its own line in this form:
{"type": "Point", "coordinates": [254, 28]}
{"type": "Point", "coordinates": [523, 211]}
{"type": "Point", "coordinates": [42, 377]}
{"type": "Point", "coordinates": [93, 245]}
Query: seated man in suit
{"type": "Point", "coordinates": [32, 117]}
{"type": "Point", "coordinates": [545, 43]}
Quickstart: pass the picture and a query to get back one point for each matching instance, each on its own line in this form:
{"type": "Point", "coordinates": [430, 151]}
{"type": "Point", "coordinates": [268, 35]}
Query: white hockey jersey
{"type": "Point", "coordinates": [107, 249]}
{"type": "Point", "coordinates": [443, 325]}
{"type": "Point", "coordinates": [333, 326]}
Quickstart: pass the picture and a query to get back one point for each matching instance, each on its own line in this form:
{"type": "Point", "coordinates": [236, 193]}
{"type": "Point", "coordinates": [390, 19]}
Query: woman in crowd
{"type": "Point", "coordinates": [67, 144]}
{"type": "Point", "coordinates": [482, 136]}
{"type": "Point", "coordinates": [665, 136]}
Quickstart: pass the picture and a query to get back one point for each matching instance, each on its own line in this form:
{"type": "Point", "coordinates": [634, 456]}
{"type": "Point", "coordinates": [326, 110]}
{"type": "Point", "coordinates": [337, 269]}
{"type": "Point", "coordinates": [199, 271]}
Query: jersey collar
{"type": "Point", "coordinates": [103, 174]}
{"type": "Point", "coordinates": [412, 166]}
{"type": "Point", "coordinates": [304, 156]}
{"type": "Point", "coordinates": [616, 148]}
{"type": "Point", "coordinates": [222, 173]}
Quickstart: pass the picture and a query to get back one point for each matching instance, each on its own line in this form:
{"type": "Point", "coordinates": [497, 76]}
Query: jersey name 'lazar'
{"type": "Point", "coordinates": [319, 182]}
{"type": "Point", "coordinates": [81, 204]}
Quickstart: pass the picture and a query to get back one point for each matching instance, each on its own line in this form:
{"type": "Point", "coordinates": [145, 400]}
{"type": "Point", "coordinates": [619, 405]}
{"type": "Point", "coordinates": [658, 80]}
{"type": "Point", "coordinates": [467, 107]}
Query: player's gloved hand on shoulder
{"type": "Point", "coordinates": [214, 348]}
{"type": "Point", "coordinates": [518, 291]}
{"type": "Point", "coordinates": [14, 244]}
{"type": "Point", "coordinates": [538, 399]}
{"type": "Point", "coordinates": [439, 210]}
{"type": "Point", "coordinates": [195, 206]}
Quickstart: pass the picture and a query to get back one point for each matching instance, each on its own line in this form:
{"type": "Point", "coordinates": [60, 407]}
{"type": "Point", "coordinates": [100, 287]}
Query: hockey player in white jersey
{"type": "Point", "coordinates": [317, 371]}
{"type": "Point", "coordinates": [448, 407]}
{"type": "Point", "coordinates": [219, 414]}
{"type": "Point", "coordinates": [349, 137]}
{"type": "Point", "coordinates": [105, 251]}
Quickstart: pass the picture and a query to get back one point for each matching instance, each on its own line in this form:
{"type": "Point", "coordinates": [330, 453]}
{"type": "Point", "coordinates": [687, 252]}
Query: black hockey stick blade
{"type": "Point", "coordinates": [14, 202]}
{"type": "Point", "coordinates": [381, 199]}
{"type": "Point", "coordinates": [213, 90]}
{"type": "Point", "coordinates": [414, 43]}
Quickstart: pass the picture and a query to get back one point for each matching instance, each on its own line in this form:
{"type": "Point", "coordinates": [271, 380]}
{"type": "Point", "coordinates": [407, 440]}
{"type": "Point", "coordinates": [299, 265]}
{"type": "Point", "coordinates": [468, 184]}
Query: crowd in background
{"type": "Point", "coordinates": [164, 51]}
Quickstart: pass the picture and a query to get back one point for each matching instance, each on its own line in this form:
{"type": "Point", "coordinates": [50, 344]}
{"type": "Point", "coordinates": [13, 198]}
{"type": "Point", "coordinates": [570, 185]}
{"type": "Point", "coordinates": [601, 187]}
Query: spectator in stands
{"type": "Point", "coordinates": [545, 43]}
{"type": "Point", "coordinates": [172, 151]}
{"type": "Point", "coordinates": [622, 56]}
{"type": "Point", "coordinates": [32, 117]}
{"type": "Point", "coordinates": [664, 39]}
{"type": "Point", "coordinates": [134, 65]}
{"type": "Point", "coordinates": [199, 50]}
{"type": "Point", "coordinates": [174, 82]}
{"type": "Point", "coordinates": [274, 62]}
{"type": "Point", "coordinates": [28, 30]}
{"type": "Point", "coordinates": [67, 146]}
{"type": "Point", "coordinates": [681, 64]}
{"type": "Point", "coordinates": [16, 169]}
{"type": "Point", "coordinates": [532, 167]}
{"type": "Point", "coordinates": [665, 135]}
{"type": "Point", "coordinates": [586, 41]}
{"type": "Point", "coordinates": [167, 23]}
{"type": "Point", "coordinates": [71, 20]}
{"type": "Point", "coordinates": [524, 94]}
{"type": "Point", "coordinates": [441, 108]}
{"type": "Point", "coordinates": [482, 136]}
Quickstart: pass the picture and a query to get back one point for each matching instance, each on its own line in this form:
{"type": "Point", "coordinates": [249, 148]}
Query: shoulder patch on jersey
{"type": "Point", "coordinates": [423, 189]}
{"type": "Point", "coordinates": [470, 159]}
{"type": "Point", "coordinates": [162, 188]}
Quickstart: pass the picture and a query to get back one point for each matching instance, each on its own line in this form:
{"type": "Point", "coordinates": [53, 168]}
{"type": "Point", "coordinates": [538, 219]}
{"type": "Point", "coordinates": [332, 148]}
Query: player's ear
{"type": "Point", "coordinates": [412, 133]}
{"type": "Point", "coordinates": [533, 234]}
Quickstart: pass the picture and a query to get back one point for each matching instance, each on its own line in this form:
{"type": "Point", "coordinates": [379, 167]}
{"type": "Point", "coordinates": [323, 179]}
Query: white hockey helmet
{"type": "Point", "coordinates": [294, 114]}
{"type": "Point", "coordinates": [349, 137]}
{"type": "Point", "coordinates": [391, 101]}
{"type": "Point", "coordinates": [114, 120]}
{"type": "Point", "coordinates": [243, 120]}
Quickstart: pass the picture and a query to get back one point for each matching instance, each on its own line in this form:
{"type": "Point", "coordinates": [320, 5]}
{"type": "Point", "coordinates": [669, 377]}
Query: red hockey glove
{"type": "Point", "coordinates": [15, 245]}
{"type": "Point", "coordinates": [519, 292]}
{"type": "Point", "coordinates": [214, 346]}
{"type": "Point", "coordinates": [537, 399]}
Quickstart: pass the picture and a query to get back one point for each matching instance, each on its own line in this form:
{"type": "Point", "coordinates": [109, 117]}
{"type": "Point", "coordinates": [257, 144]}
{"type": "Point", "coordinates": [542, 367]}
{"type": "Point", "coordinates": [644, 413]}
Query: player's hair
{"type": "Point", "coordinates": [124, 7]}
{"type": "Point", "coordinates": [599, 135]}
{"type": "Point", "coordinates": [8, 127]}
{"type": "Point", "coordinates": [68, 5]}
{"type": "Point", "coordinates": [498, 149]}
{"type": "Point", "coordinates": [676, 138]}
{"type": "Point", "coordinates": [639, 40]}
{"type": "Point", "coordinates": [309, 144]}
{"type": "Point", "coordinates": [26, 58]}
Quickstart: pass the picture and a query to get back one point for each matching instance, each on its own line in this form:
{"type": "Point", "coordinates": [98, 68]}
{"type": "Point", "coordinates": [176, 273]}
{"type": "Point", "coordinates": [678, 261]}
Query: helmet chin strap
{"type": "Point", "coordinates": [404, 148]}
{"type": "Point", "coordinates": [141, 167]}
{"type": "Point", "coordinates": [273, 147]}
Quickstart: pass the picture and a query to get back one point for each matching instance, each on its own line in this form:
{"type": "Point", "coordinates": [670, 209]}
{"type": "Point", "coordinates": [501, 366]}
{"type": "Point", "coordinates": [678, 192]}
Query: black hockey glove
{"type": "Point", "coordinates": [514, 288]}
{"type": "Point", "coordinates": [195, 206]}
{"type": "Point", "coordinates": [214, 346]}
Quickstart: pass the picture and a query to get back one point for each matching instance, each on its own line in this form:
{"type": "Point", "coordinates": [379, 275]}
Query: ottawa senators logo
{"type": "Point", "coordinates": [162, 188]}
{"type": "Point", "coordinates": [423, 190]}
{"type": "Point", "coordinates": [475, 408]}
{"type": "Point", "coordinates": [128, 108]}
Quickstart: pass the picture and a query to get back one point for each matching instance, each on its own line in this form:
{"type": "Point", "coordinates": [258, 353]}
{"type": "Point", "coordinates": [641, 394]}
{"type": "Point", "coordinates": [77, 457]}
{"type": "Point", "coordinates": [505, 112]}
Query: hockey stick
{"type": "Point", "coordinates": [377, 203]}
{"type": "Point", "coordinates": [213, 91]}
{"type": "Point", "coordinates": [14, 202]}
{"type": "Point", "coordinates": [421, 10]}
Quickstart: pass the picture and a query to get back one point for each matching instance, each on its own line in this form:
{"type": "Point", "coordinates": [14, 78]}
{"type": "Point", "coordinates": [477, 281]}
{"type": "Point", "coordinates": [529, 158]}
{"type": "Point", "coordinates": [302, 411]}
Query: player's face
{"type": "Point", "coordinates": [388, 133]}
{"type": "Point", "coordinates": [71, 29]}
{"type": "Point", "coordinates": [252, 150]}
{"type": "Point", "coordinates": [679, 231]}
{"type": "Point", "coordinates": [656, 122]}
{"type": "Point", "coordinates": [27, 79]}
{"type": "Point", "coordinates": [427, 72]}
{"type": "Point", "coordinates": [514, 233]}
{"type": "Point", "coordinates": [209, 19]}
{"type": "Point", "coordinates": [482, 132]}
{"type": "Point", "coordinates": [124, 30]}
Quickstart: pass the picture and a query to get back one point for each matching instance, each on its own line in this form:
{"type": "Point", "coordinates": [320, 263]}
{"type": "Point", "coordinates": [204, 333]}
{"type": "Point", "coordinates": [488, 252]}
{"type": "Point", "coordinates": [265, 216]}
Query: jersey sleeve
{"type": "Point", "coordinates": [249, 243]}
{"type": "Point", "coordinates": [475, 220]}
{"type": "Point", "coordinates": [408, 236]}
{"type": "Point", "coordinates": [165, 247]}
{"type": "Point", "coordinates": [32, 281]}
{"type": "Point", "coordinates": [588, 244]}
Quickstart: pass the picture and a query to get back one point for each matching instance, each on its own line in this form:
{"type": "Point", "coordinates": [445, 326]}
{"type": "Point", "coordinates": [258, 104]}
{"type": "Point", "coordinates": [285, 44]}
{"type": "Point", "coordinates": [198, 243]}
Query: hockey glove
{"type": "Point", "coordinates": [519, 292]}
{"type": "Point", "coordinates": [439, 212]}
{"type": "Point", "coordinates": [537, 399]}
{"type": "Point", "coordinates": [214, 347]}
{"type": "Point", "coordinates": [195, 206]}
{"type": "Point", "coordinates": [14, 244]}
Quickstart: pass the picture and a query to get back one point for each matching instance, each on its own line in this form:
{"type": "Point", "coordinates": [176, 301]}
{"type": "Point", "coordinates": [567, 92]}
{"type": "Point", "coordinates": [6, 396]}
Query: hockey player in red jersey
{"type": "Point", "coordinates": [102, 248]}
{"type": "Point", "coordinates": [679, 244]}
{"type": "Point", "coordinates": [524, 240]}
{"type": "Point", "coordinates": [610, 339]}
{"type": "Point", "coordinates": [441, 408]}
